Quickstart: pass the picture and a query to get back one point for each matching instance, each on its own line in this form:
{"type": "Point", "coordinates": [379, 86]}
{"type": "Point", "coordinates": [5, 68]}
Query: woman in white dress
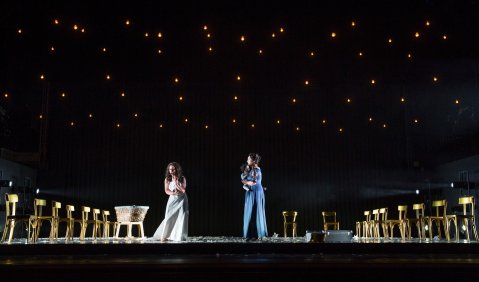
{"type": "Point", "coordinates": [175, 225]}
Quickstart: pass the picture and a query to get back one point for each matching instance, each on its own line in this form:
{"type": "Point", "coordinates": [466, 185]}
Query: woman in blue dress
{"type": "Point", "coordinates": [254, 199]}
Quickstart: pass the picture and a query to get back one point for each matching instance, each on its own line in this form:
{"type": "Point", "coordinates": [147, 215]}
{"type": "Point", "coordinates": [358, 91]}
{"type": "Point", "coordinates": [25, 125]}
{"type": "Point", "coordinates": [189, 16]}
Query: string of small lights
{"type": "Point", "coordinates": [299, 96]}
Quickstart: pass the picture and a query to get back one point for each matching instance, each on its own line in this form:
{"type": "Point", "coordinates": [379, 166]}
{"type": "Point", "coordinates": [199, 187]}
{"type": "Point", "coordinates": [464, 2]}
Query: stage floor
{"type": "Point", "coordinates": [210, 258]}
{"type": "Point", "coordinates": [227, 239]}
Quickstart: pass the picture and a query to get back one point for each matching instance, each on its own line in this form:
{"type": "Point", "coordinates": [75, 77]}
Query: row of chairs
{"type": "Point", "coordinates": [329, 221]}
{"type": "Point", "coordinates": [378, 219]}
{"type": "Point", "coordinates": [101, 227]}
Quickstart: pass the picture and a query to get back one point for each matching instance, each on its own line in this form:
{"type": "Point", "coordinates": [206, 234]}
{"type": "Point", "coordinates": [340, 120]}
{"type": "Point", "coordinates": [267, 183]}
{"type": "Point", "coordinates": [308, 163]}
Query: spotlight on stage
{"type": "Point", "coordinates": [37, 191]}
{"type": "Point", "coordinates": [6, 183]}
{"type": "Point", "coordinates": [417, 191]}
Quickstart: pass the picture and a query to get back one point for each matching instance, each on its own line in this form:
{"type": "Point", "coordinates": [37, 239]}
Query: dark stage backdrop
{"type": "Point", "coordinates": [317, 168]}
{"type": "Point", "coordinates": [304, 171]}
{"type": "Point", "coordinates": [392, 129]}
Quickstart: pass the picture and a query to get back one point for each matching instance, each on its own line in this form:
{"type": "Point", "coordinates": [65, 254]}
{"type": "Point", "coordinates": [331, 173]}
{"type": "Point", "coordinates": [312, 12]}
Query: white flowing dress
{"type": "Point", "coordinates": [175, 225]}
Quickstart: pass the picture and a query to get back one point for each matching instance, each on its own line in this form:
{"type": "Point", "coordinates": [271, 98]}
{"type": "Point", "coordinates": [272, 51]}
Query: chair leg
{"type": "Point", "coordinates": [5, 229]}
{"type": "Point", "coordinates": [72, 229]}
{"type": "Point", "coordinates": [69, 232]}
{"type": "Point", "coordinates": [128, 231]}
{"type": "Point", "coordinates": [430, 229]}
{"type": "Point", "coordinates": [12, 226]}
{"type": "Point", "coordinates": [366, 230]}
{"type": "Point", "coordinates": [385, 228]}
{"type": "Point", "coordinates": [37, 231]}
{"type": "Point", "coordinates": [402, 229]}
{"type": "Point", "coordinates": [439, 229]}
{"type": "Point", "coordinates": [423, 229]}
{"type": "Point", "coordinates": [466, 224]}
{"type": "Point", "coordinates": [95, 231]}
{"type": "Point", "coordinates": [447, 229]}
{"type": "Point", "coordinates": [57, 226]}
{"type": "Point", "coordinates": [117, 230]}
{"type": "Point", "coordinates": [83, 230]}
{"type": "Point", "coordinates": [457, 230]}
{"type": "Point", "coordinates": [409, 230]}
{"type": "Point", "coordinates": [474, 229]}
{"type": "Point", "coordinates": [52, 229]}
{"type": "Point", "coordinates": [418, 228]}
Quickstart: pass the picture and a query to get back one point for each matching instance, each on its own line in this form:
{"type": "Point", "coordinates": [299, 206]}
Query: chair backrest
{"type": "Point", "coordinates": [11, 201]}
{"type": "Point", "coordinates": [290, 216]}
{"type": "Point", "coordinates": [56, 206]}
{"type": "Point", "coordinates": [329, 216]}
{"type": "Point", "coordinates": [467, 202]}
{"type": "Point", "coordinates": [402, 211]}
{"type": "Point", "coordinates": [419, 208]}
{"type": "Point", "coordinates": [84, 212]}
{"type": "Point", "coordinates": [367, 215]}
{"type": "Point", "coordinates": [441, 206]}
{"type": "Point", "coordinates": [70, 209]}
{"type": "Point", "coordinates": [383, 214]}
{"type": "Point", "coordinates": [105, 215]}
{"type": "Point", "coordinates": [96, 212]}
{"type": "Point", "coordinates": [376, 214]}
{"type": "Point", "coordinates": [38, 205]}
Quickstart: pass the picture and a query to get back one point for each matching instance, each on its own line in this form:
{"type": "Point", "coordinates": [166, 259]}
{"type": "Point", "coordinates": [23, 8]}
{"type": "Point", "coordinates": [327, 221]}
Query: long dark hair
{"type": "Point", "coordinates": [179, 172]}
{"type": "Point", "coordinates": [256, 158]}
{"type": "Point", "coordinates": [244, 168]}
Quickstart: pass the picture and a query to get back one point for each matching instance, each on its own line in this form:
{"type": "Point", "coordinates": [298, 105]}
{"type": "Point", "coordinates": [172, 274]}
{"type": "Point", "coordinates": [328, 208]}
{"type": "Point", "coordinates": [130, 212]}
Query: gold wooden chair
{"type": "Point", "coordinates": [418, 221]}
{"type": "Point", "coordinates": [359, 228]}
{"type": "Point", "coordinates": [401, 223]}
{"type": "Point", "coordinates": [37, 219]}
{"type": "Point", "coordinates": [380, 220]}
{"type": "Point", "coordinates": [85, 211]}
{"type": "Point", "coordinates": [365, 224]}
{"type": "Point", "coordinates": [362, 229]}
{"type": "Point", "coordinates": [56, 206]}
{"type": "Point", "coordinates": [467, 217]}
{"type": "Point", "coordinates": [329, 220]}
{"type": "Point", "coordinates": [12, 218]}
{"type": "Point", "coordinates": [374, 224]}
{"type": "Point", "coordinates": [97, 224]}
{"type": "Point", "coordinates": [290, 220]}
{"type": "Point", "coordinates": [439, 218]}
{"type": "Point", "coordinates": [70, 222]}
{"type": "Point", "coordinates": [107, 224]}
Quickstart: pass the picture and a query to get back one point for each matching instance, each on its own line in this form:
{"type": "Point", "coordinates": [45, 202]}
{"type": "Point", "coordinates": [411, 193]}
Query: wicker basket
{"type": "Point", "coordinates": [131, 213]}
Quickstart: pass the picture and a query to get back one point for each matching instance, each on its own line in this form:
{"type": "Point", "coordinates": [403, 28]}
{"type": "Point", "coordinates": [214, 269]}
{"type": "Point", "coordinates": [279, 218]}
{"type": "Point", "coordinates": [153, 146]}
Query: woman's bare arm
{"type": "Point", "coordinates": [167, 189]}
{"type": "Point", "coordinates": [182, 186]}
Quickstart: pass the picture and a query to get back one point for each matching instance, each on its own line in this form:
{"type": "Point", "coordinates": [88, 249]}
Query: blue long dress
{"type": "Point", "coordinates": [255, 198]}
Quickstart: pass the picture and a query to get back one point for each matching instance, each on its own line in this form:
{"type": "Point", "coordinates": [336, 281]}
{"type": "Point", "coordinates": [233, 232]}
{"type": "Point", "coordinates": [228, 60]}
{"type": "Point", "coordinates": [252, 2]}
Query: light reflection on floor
{"type": "Point", "coordinates": [221, 240]}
